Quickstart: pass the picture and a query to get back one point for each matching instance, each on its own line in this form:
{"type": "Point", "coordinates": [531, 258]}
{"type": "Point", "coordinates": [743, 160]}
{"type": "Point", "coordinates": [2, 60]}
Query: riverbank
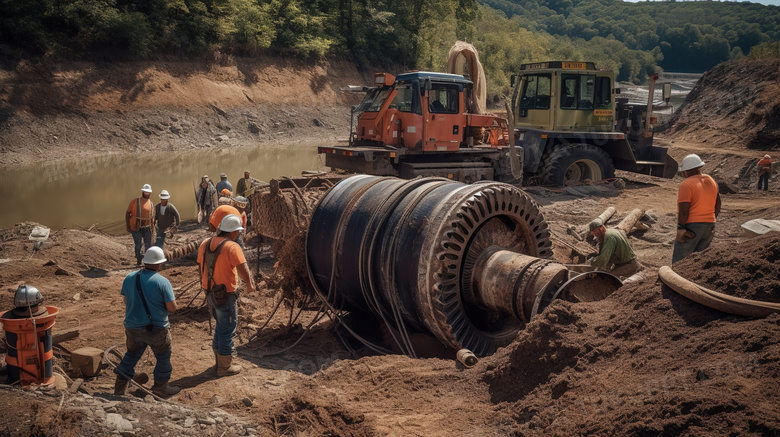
{"type": "Point", "coordinates": [82, 110]}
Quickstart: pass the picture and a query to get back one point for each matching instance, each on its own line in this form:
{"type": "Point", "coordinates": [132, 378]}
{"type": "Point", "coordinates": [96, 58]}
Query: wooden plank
{"type": "Point", "coordinates": [65, 336]}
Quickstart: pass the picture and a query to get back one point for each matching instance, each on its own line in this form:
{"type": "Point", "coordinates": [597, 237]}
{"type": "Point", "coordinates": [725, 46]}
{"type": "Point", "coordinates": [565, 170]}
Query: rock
{"type": "Point", "coordinates": [188, 422]}
{"type": "Point", "coordinates": [207, 421]}
{"type": "Point", "coordinates": [247, 402]}
{"type": "Point", "coordinates": [254, 128]}
{"type": "Point", "coordinates": [77, 297]}
{"type": "Point", "coordinates": [116, 421]}
{"type": "Point", "coordinates": [60, 383]}
{"type": "Point", "coordinates": [86, 360]}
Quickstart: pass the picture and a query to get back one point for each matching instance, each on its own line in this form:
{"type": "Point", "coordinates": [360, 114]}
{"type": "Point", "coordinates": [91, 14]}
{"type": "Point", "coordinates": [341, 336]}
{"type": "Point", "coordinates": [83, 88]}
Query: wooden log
{"type": "Point", "coordinates": [607, 214]}
{"type": "Point", "coordinates": [65, 336]}
{"type": "Point", "coordinates": [629, 221]}
{"type": "Point", "coordinates": [604, 216]}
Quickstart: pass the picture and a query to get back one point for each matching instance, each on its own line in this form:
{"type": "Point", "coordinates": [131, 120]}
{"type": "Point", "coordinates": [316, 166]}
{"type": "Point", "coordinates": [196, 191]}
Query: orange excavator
{"type": "Point", "coordinates": [424, 124]}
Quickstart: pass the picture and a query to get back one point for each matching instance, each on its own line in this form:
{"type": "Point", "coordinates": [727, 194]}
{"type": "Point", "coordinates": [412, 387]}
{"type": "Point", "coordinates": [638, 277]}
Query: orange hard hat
{"type": "Point", "coordinates": [225, 192]}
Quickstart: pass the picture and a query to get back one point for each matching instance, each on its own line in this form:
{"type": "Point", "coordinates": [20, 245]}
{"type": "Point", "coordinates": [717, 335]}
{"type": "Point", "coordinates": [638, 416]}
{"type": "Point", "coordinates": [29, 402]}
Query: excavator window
{"type": "Point", "coordinates": [603, 93]}
{"type": "Point", "coordinates": [443, 99]}
{"type": "Point", "coordinates": [536, 92]}
{"type": "Point", "coordinates": [379, 99]}
{"type": "Point", "coordinates": [403, 100]}
{"type": "Point", "coordinates": [577, 91]}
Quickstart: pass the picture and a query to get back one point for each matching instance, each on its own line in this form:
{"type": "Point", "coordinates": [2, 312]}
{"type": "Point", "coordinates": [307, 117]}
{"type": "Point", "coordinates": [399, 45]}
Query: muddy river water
{"type": "Point", "coordinates": [83, 192]}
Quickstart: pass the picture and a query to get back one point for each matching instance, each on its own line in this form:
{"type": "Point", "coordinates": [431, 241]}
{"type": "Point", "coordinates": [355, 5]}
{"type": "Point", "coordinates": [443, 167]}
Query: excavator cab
{"type": "Point", "coordinates": [572, 127]}
{"type": "Point", "coordinates": [419, 111]}
{"type": "Point", "coordinates": [420, 124]}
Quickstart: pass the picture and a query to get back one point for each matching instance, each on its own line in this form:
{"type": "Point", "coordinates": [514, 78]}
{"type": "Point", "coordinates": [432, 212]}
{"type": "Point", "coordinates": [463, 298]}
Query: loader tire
{"type": "Point", "coordinates": [572, 164]}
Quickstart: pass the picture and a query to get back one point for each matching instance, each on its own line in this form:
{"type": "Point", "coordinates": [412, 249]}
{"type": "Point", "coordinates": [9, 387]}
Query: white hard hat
{"type": "Point", "coordinates": [154, 255]}
{"type": "Point", "coordinates": [231, 223]}
{"type": "Point", "coordinates": [222, 176]}
{"type": "Point", "coordinates": [690, 162]}
{"type": "Point", "coordinates": [146, 188]}
{"type": "Point", "coordinates": [225, 200]}
{"type": "Point", "coordinates": [240, 201]}
{"type": "Point", "coordinates": [164, 194]}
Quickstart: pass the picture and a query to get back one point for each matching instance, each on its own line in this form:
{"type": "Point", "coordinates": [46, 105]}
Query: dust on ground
{"type": "Point", "coordinates": [644, 361]}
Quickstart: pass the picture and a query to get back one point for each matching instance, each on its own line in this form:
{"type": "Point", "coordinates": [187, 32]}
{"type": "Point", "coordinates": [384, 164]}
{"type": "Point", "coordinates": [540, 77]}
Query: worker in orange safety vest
{"type": "Point", "coordinates": [138, 219]}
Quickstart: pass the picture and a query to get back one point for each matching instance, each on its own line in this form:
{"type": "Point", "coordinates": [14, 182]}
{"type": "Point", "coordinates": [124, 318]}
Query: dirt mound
{"type": "Point", "coordinates": [736, 102]}
{"type": "Point", "coordinates": [749, 270]}
{"type": "Point", "coordinates": [67, 251]}
{"type": "Point", "coordinates": [647, 361]}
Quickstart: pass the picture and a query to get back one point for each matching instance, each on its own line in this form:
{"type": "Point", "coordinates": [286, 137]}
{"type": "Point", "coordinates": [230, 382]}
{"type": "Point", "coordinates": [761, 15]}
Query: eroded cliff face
{"type": "Point", "coordinates": [736, 102]}
{"type": "Point", "coordinates": [69, 110]}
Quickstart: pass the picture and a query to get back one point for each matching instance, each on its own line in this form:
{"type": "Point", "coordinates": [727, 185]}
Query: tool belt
{"type": "Point", "coordinates": [218, 291]}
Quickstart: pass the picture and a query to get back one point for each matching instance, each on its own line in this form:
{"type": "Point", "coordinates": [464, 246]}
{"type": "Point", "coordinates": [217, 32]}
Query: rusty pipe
{"type": "Point", "coordinates": [181, 251]}
{"type": "Point", "coordinates": [515, 284]}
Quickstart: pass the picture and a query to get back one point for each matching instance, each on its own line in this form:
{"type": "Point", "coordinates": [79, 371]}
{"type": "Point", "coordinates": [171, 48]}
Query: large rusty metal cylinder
{"type": "Point", "coordinates": [407, 251]}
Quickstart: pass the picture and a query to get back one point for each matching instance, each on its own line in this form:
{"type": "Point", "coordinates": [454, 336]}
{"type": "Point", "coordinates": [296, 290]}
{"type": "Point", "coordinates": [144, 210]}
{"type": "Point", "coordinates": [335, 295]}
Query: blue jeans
{"type": "Point", "coordinates": [763, 182]}
{"type": "Point", "coordinates": [159, 339]}
{"type": "Point", "coordinates": [160, 241]}
{"type": "Point", "coordinates": [146, 235]}
{"type": "Point", "coordinates": [700, 241]}
{"type": "Point", "coordinates": [226, 317]}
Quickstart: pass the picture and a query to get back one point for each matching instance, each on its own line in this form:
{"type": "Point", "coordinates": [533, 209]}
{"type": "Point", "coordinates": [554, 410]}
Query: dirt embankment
{"type": "Point", "coordinates": [736, 103]}
{"type": "Point", "coordinates": [49, 112]}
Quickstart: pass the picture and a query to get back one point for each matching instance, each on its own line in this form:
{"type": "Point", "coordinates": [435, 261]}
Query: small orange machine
{"type": "Point", "coordinates": [28, 338]}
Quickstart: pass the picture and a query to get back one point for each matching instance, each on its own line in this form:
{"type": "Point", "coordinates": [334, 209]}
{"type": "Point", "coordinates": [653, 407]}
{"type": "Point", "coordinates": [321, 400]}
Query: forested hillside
{"type": "Point", "coordinates": [634, 39]}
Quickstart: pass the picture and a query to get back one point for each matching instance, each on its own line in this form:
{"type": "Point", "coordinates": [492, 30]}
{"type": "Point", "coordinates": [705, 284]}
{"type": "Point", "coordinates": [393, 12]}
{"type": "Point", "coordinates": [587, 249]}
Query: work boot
{"type": "Point", "coordinates": [163, 390]}
{"type": "Point", "coordinates": [224, 366]}
{"type": "Point", "coordinates": [120, 385]}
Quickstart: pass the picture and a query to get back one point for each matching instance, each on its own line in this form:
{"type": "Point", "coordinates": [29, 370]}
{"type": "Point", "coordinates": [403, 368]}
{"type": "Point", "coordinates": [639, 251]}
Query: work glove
{"type": "Point", "coordinates": [684, 235]}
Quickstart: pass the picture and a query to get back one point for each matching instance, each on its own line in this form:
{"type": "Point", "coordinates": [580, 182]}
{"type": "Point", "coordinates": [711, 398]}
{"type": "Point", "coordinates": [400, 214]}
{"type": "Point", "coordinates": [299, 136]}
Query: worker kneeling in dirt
{"type": "Point", "coordinates": [615, 253]}
{"type": "Point", "coordinates": [220, 258]}
{"type": "Point", "coordinates": [148, 299]}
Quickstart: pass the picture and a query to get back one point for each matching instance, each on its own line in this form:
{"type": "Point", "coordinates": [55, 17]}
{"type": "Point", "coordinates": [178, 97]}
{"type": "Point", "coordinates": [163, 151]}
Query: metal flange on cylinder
{"type": "Point", "coordinates": [468, 264]}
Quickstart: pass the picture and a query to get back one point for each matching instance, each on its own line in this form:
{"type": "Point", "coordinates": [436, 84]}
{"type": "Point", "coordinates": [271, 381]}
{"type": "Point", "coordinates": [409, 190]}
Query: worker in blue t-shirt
{"type": "Point", "coordinates": [148, 299]}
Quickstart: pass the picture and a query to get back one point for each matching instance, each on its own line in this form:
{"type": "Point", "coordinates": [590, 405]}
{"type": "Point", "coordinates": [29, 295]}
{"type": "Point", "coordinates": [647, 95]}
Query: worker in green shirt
{"type": "Point", "coordinates": [615, 253]}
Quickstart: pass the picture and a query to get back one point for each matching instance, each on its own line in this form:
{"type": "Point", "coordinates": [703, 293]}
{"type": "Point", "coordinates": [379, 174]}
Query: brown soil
{"type": "Point", "coordinates": [644, 361]}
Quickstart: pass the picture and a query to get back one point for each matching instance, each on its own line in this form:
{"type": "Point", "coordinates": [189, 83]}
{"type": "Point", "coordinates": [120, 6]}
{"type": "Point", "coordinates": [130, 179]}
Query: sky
{"type": "Point", "coordinates": [763, 2]}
